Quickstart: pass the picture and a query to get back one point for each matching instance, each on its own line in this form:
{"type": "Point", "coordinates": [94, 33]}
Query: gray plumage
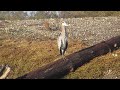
{"type": "Point", "coordinates": [63, 39]}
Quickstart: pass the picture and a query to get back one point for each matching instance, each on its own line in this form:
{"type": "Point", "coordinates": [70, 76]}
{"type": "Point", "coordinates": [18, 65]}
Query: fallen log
{"type": "Point", "coordinates": [62, 66]}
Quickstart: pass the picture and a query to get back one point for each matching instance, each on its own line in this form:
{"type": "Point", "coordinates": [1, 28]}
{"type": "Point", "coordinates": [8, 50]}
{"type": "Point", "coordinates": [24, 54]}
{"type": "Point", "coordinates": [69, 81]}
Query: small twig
{"type": "Point", "coordinates": [7, 70]}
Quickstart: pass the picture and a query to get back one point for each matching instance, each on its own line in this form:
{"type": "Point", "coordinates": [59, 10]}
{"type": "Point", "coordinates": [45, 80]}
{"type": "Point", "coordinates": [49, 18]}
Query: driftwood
{"type": "Point", "coordinates": [4, 71]}
{"type": "Point", "coordinates": [62, 66]}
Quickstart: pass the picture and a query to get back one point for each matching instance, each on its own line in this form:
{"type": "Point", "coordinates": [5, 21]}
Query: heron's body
{"type": "Point", "coordinates": [62, 44]}
{"type": "Point", "coordinates": [63, 40]}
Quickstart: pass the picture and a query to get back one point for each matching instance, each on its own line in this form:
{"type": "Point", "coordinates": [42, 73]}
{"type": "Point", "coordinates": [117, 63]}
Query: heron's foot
{"type": "Point", "coordinates": [72, 69]}
{"type": "Point", "coordinates": [64, 58]}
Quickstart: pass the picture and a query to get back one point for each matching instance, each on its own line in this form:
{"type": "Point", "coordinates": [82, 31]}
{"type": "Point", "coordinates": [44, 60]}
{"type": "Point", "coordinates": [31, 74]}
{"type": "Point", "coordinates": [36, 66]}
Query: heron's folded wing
{"type": "Point", "coordinates": [59, 42]}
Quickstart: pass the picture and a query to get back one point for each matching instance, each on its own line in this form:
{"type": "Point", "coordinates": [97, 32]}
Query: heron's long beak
{"type": "Point", "coordinates": [67, 25]}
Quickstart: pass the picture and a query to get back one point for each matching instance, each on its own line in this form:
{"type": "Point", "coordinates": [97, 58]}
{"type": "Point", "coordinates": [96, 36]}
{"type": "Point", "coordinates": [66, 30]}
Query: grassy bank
{"type": "Point", "coordinates": [103, 67]}
{"type": "Point", "coordinates": [25, 56]}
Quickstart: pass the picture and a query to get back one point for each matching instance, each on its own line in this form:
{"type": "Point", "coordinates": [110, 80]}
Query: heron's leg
{"type": "Point", "coordinates": [66, 53]}
{"type": "Point", "coordinates": [63, 57]}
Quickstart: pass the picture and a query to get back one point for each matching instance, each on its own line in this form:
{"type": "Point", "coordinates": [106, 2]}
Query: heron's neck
{"type": "Point", "coordinates": [63, 30]}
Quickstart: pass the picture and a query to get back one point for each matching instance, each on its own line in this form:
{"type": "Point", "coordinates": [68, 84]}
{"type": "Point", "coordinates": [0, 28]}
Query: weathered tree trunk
{"type": "Point", "coordinates": [62, 66]}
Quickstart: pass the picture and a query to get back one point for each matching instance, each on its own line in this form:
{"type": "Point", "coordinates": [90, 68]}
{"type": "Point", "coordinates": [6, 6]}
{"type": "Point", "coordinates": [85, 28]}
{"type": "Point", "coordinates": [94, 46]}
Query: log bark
{"type": "Point", "coordinates": [62, 66]}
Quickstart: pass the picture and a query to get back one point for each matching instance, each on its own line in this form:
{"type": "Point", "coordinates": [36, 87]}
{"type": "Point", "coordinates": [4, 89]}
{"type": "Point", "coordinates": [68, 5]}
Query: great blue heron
{"type": "Point", "coordinates": [63, 39]}
{"type": "Point", "coordinates": [63, 42]}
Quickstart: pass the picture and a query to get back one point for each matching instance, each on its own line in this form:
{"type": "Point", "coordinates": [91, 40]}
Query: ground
{"type": "Point", "coordinates": [26, 49]}
{"type": "Point", "coordinates": [24, 56]}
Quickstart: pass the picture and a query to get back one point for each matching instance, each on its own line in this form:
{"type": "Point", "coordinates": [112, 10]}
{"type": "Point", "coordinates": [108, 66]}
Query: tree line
{"type": "Point", "coordinates": [21, 15]}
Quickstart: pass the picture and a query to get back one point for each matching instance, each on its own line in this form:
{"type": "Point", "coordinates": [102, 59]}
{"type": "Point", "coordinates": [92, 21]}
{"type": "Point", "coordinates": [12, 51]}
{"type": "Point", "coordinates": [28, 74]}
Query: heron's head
{"type": "Point", "coordinates": [64, 24]}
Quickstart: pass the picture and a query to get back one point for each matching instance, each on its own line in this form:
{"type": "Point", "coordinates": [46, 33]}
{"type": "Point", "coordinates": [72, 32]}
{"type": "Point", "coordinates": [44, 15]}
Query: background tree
{"type": "Point", "coordinates": [20, 15]}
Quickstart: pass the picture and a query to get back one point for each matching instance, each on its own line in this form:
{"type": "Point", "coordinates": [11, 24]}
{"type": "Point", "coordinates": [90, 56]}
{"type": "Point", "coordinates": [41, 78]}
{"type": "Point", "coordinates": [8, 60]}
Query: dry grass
{"type": "Point", "coordinates": [25, 56]}
{"type": "Point", "coordinates": [27, 48]}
